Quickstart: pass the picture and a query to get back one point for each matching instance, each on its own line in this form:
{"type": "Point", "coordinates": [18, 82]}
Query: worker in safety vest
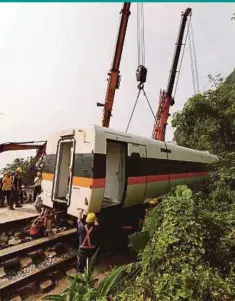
{"type": "Point", "coordinates": [16, 189]}
{"type": "Point", "coordinates": [6, 186]}
{"type": "Point", "coordinates": [37, 185]}
{"type": "Point", "coordinates": [88, 233]}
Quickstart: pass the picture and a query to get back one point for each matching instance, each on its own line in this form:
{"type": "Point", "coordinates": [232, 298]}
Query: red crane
{"type": "Point", "coordinates": [114, 74]}
{"type": "Point", "coordinates": [166, 100]}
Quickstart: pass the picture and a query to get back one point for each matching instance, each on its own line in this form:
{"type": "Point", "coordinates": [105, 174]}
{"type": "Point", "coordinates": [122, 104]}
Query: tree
{"type": "Point", "coordinates": [25, 165]}
{"type": "Point", "coordinates": [207, 120]}
{"type": "Point", "coordinates": [19, 162]}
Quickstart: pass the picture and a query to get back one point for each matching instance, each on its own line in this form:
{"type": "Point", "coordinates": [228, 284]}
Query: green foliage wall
{"type": "Point", "coordinates": [207, 120]}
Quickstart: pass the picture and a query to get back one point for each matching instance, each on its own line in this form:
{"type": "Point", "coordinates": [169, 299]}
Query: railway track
{"type": "Point", "coordinates": [16, 224]}
{"type": "Point", "coordinates": [36, 262]}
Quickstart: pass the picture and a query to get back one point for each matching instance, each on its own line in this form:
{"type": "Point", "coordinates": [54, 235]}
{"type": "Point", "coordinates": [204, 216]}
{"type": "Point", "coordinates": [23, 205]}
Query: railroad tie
{"type": "Point", "coordinates": [46, 285]}
{"type": "Point", "coordinates": [16, 298]}
{"type": "Point", "coordinates": [25, 261]}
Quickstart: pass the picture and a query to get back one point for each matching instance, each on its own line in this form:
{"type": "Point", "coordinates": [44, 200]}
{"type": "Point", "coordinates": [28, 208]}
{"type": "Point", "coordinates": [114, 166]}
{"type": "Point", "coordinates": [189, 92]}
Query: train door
{"type": "Point", "coordinates": [137, 178]}
{"type": "Point", "coordinates": [115, 180]}
{"type": "Point", "coordinates": [63, 172]}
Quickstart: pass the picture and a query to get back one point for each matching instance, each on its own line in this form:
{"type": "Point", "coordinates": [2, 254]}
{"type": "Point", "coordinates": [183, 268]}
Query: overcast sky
{"type": "Point", "coordinates": [54, 60]}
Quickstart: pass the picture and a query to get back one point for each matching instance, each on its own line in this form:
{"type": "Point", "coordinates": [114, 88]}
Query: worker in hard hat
{"type": "Point", "coordinates": [37, 185]}
{"type": "Point", "coordinates": [88, 235]}
{"type": "Point", "coordinates": [6, 186]}
{"type": "Point", "coordinates": [152, 204]}
{"type": "Point", "coordinates": [16, 189]}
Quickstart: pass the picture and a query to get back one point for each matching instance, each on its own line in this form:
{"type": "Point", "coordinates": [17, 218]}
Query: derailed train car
{"type": "Point", "coordinates": [96, 169]}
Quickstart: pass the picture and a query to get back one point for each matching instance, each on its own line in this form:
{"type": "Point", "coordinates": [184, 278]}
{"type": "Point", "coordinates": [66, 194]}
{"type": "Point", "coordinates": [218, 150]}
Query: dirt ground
{"type": "Point", "coordinates": [61, 285]}
{"type": "Point", "coordinates": [100, 271]}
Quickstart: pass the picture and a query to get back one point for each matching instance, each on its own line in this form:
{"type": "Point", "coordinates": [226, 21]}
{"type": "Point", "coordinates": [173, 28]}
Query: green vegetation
{"type": "Point", "coordinates": [207, 120]}
{"type": "Point", "coordinates": [190, 249]}
{"type": "Point", "coordinates": [19, 162]}
{"type": "Point", "coordinates": [186, 250]}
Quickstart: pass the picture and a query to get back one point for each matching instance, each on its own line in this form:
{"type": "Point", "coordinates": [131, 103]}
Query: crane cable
{"type": "Point", "coordinates": [148, 102]}
{"type": "Point", "coordinates": [133, 110]}
{"type": "Point", "coordinates": [141, 72]}
{"type": "Point", "coordinates": [193, 58]}
{"type": "Point", "coordinates": [192, 65]}
{"type": "Point", "coordinates": [140, 34]}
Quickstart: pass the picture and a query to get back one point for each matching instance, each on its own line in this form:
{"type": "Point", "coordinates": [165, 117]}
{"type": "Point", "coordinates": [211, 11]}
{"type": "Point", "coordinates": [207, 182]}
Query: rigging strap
{"type": "Point", "coordinates": [137, 98]}
{"type": "Point", "coordinates": [151, 109]}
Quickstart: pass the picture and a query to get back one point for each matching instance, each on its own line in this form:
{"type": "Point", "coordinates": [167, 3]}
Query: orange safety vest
{"type": "Point", "coordinates": [86, 244]}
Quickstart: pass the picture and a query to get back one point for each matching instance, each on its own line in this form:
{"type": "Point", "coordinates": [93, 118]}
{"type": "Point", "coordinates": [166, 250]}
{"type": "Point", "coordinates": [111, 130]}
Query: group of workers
{"type": "Point", "coordinates": [11, 188]}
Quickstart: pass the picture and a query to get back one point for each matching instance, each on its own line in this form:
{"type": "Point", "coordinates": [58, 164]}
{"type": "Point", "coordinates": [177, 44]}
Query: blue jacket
{"type": "Point", "coordinates": [81, 232]}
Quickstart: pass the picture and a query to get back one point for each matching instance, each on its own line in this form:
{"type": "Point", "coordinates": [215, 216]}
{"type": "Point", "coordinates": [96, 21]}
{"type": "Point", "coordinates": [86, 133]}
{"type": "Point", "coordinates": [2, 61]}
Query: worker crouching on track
{"type": "Point", "coordinates": [37, 228]}
{"type": "Point", "coordinates": [88, 235]}
{"type": "Point", "coordinates": [15, 189]}
{"type": "Point", "coordinates": [37, 186]}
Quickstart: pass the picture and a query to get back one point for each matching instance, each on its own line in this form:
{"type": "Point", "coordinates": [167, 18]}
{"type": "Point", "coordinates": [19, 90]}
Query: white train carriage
{"type": "Point", "coordinates": [92, 168]}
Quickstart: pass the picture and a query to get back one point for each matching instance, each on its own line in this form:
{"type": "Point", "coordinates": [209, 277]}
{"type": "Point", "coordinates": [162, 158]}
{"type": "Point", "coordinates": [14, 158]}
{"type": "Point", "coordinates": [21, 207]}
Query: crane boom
{"type": "Point", "coordinates": [166, 100]}
{"type": "Point", "coordinates": [114, 74]}
{"type": "Point", "coordinates": [13, 146]}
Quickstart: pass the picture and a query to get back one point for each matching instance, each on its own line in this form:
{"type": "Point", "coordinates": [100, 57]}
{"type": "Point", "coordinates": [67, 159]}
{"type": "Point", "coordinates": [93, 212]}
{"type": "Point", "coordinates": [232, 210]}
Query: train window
{"type": "Point", "coordinates": [135, 165]}
{"type": "Point", "coordinates": [165, 150]}
{"type": "Point", "coordinates": [135, 156]}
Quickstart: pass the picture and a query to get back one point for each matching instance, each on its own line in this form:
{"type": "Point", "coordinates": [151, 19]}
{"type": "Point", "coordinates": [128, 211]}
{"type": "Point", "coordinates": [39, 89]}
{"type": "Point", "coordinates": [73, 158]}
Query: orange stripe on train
{"type": "Point", "coordinates": [100, 183]}
{"type": "Point", "coordinates": [79, 181]}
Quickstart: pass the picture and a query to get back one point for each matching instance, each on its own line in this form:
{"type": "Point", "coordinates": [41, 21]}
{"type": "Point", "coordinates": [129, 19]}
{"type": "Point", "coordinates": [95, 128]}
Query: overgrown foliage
{"type": "Point", "coordinates": [207, 120]}
{"type": "Point", "coordinates": [85, 286]}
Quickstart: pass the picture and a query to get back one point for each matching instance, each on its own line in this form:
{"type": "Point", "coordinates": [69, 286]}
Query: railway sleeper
{"type": "Point", "coordinates": [25, 261]}
{"type": "Point", "coordinates": [27, 290]}
{"type": "Point", "coordinates": [16, 298]}
{"type": "Point", "coordinates": [46, 285]}
{"type": "Point", "coordinates": [35, 281]}
{"type": "Point", "coordinates": [37, 254]}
